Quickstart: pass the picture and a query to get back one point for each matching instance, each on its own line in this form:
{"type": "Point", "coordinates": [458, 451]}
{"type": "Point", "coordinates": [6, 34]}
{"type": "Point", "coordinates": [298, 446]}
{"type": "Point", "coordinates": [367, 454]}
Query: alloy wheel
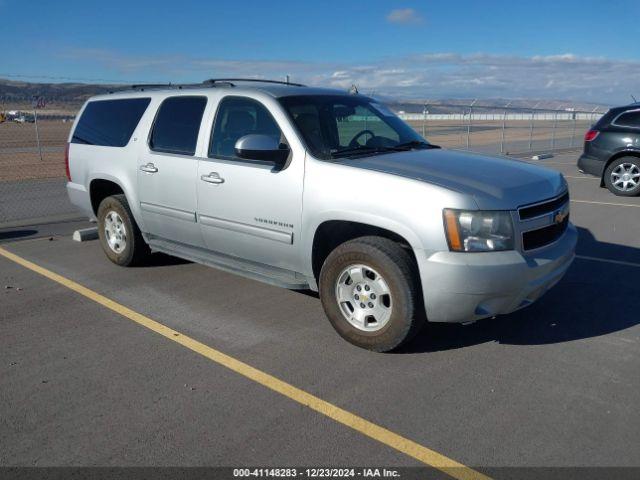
{"type": "Point", "coordinates": [625, 177]}
{"type": "Point", "coordinates": [364, 297]}
{"type": "Point", "coordinates": [115, 231]}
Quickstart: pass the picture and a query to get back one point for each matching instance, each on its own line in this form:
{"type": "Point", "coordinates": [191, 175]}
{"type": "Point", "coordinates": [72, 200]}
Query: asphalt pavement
{"type": "Point", "coordinates": [553, 385]}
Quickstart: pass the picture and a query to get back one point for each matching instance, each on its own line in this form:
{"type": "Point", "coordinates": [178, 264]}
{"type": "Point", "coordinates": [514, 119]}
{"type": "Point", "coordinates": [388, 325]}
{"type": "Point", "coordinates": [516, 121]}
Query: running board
{"type": "Point", "coordinates": [256, 271]}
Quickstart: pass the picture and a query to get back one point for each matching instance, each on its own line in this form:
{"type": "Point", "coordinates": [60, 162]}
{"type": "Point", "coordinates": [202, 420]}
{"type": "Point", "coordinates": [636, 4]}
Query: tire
{"type": "Point", "coordinates": [119, 235]}
{"type": "Point", "coordinates": [615, 171]}
{"type": "Point", "coordinates": [396, 318]}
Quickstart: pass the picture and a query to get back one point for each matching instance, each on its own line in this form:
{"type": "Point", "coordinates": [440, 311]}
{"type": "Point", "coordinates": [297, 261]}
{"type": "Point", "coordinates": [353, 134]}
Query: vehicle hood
{"type": "Point", "coordinates": [494, 182]}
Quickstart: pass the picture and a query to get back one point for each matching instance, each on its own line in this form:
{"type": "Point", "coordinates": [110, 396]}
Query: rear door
{"type": "Point", "coordinates": [167, 171]}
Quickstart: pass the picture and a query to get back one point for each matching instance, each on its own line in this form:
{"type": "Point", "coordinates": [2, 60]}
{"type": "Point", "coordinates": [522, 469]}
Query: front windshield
{"type": "Point", "coordinates": [338, 126]}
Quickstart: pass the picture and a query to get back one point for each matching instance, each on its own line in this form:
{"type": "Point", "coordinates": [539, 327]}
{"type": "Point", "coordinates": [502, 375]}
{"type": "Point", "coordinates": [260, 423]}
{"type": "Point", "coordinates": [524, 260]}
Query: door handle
{"type": "Point", "coordinates": [213, 177]}
{"type": "Point", "coordinates": [149, 168]}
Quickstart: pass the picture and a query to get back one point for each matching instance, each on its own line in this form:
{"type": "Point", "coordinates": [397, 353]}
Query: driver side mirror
{"type": "Point", "coordinates": [264, 148]}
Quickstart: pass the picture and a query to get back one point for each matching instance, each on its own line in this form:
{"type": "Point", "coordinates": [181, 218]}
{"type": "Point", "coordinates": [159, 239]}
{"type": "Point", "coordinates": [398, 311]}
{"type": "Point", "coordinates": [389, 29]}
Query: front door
{"type": "Point", "coordinates": [167, 171]}
{"type": "Point", "coordinates": [249, 209]}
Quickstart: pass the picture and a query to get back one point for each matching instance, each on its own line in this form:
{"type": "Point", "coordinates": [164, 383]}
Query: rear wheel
{"type": "Point", "coordinates": [369, 291]}
{"type": "Point", "coordinates": [622, 176]}
{"type": "Point", "coordinates": [119, 235]}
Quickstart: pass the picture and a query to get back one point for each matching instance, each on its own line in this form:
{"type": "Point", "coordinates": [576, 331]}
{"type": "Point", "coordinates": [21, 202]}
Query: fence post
{"type": "Point", "coordinates": [424, 121]}
{"type": "Point", "coordinates": [531, 130]}
{"type": "Point", "coordinates": [553, 132]}
{"type": "Point", "coordinates": [469, 122]}
{"type": "Point", "coordinates": [504, 121]}
{"type": "Point", "coordinates": [35, 121]}
{"type": "Point", "coordinates": [463, 119]}
{"type": "Point", "coordinates": [504, 125]}
{"type": "Point", "coordinates": [573, 133]}
{"type": "Point", "coordinates": [469, 126]}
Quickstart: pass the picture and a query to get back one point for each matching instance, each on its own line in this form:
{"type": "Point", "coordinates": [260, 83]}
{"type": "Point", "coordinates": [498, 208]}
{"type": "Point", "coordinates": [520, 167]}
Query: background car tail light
{"type": "Point", "coordinates": [591, 135]}
{"type": "Point", "coordinates": [66, 162]}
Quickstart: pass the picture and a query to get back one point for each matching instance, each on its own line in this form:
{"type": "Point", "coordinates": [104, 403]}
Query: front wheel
{"type": "Point", "coordinates": [369, 291]}
{"type": "Point", "coordinates": [119, 235]}
{"type": "Point", "coordinates": [622, 176]}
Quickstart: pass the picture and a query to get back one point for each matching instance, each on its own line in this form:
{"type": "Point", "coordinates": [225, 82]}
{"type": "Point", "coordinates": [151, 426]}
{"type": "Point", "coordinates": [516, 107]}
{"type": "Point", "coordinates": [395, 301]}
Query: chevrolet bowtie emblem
{"type": "Point", "coordinates": [560, 216]}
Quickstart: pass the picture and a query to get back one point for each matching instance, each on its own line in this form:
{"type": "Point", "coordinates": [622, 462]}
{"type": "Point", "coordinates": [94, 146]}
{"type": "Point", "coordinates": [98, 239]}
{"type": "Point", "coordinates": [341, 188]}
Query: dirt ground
{"type": "Point", "coordinates": [19, 154]}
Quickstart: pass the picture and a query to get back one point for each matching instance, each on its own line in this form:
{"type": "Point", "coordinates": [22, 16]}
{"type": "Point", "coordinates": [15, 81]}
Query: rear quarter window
{"type": "Point", "coordinates": [628, 119]}
{"type": "Point", "coordinates": [109, 123]}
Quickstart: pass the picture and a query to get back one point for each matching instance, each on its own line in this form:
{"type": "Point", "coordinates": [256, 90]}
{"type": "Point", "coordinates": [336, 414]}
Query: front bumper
{"type": "Point", "coordinates": [591, 165]}
{"type": "Point", "coordinates": [464, 287]}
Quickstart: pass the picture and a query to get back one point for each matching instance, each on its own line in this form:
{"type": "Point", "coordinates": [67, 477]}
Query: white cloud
{"type": "Point", "coordinates": [404, 16]}
{"type": "Point", "coordinates": [427, 76]}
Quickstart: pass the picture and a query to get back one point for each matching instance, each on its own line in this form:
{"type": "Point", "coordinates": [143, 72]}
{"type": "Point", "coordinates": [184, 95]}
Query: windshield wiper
{"type": "Point", "coordinates": [361, 150]}
{"type": "Point", "coordinates": [364, 150]}
{"type": "Point", "coordinates": [415, 144]}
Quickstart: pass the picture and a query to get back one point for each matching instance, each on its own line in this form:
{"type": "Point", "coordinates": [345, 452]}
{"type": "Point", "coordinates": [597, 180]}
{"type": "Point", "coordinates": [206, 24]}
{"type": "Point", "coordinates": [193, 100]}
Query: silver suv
{"type": "Point", "coordinates": [319, 189]}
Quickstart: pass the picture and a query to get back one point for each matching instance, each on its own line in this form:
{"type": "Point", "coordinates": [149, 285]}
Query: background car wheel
{"type": "Point", "coordinates": [369, 289]}
{"type": "Point", "coordinates": [622, 176]}
{"type": "Point", "coordinates": [120, 237]}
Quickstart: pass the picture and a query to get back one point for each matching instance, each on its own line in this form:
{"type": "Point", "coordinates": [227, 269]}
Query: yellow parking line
{"type": "Point", "coordinates": [607, 203]}
{"type": "Point", "coordinates": [408, 447]}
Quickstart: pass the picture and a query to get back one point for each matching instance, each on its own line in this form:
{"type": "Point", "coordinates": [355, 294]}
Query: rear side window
{"type": "Point", "coordinates": [177, 125]}
{"type": "Point", "coordinates": [109, 123]}
{"type": "Point", "coordinates": [629, 119]}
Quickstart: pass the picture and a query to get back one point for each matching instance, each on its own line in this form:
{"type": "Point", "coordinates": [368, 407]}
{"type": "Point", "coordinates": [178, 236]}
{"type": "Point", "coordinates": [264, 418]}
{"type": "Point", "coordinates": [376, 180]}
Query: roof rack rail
{"type": "Point", "coordinates": [154, 86]}
{"type": "Point", "coordinates": [212, 82]}
{"type": "Point", "coordinates": [143, 86]}
{"type": "Point", "coordinates": [230, 81]}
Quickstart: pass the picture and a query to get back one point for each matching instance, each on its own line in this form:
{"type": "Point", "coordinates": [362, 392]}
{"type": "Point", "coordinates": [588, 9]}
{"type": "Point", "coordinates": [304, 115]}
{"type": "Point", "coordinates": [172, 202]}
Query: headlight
{"type": "Point", "coordinates": [478, 231]}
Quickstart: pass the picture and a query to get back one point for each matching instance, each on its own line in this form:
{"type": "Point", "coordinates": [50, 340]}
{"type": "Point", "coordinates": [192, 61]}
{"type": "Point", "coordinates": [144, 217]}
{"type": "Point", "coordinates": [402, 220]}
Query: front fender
{"type": "Point", "coordinates": [312, 225]}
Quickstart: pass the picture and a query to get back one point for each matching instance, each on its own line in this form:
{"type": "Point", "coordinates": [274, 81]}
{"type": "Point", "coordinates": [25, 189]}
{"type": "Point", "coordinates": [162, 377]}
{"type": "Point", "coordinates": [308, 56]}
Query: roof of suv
{"type": "Point", "coordinates": [276, 90]}
{"type": "Point", "coordinates": [613, 113]}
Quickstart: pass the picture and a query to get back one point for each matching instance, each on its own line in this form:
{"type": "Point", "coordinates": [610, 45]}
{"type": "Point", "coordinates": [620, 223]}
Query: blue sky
{"type": "Point", "coordinates": [578, 50]}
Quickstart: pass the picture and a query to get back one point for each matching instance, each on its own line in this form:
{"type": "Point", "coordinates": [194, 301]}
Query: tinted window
{"type": "Point", "coordinates": [109, 123]}
{"type": "Point", "coordinates": [630, 119]}
{"type": "Point", "coordinates": [177, 125]}
{"type": "Point", "coordinates": [236, 118]}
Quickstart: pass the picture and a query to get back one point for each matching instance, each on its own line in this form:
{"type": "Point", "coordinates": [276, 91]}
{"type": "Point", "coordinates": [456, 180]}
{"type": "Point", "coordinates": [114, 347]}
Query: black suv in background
{"type": "Point", "coordinates": [612, 150]}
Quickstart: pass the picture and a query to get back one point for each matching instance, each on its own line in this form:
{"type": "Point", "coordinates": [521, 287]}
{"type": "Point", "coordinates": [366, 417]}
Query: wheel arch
{"type": "Point", "coordinates": [101, 188]}
{"type": "Point", "coordinates": [102, 185]}
{"type": "Point", "coordinates": [330, 233]}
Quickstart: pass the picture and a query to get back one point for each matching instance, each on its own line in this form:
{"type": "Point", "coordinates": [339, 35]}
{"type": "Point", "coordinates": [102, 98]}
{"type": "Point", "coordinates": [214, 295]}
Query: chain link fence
{"type": "Point", "coordinates": [32, 143]}
{"type": "Point", "coordinates": [32, 170]}
{"type": "Point", "coordinates": [503, 130]}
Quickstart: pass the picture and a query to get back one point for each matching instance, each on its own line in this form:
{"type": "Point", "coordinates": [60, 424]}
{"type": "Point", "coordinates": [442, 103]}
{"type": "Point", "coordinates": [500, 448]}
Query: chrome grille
{"type": "Point", "coordinates": [543, 208]}
{"type": "Point", "coordinates": [544, 236]}
{"type": "Point", "coordinates": [544, 223]}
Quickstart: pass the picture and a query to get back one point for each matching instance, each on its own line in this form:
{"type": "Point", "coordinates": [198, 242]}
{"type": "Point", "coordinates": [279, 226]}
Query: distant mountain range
{"type": "Point", "coordinates": [15, 91]}
{"type": "Point", "coordinates": [17, 94]}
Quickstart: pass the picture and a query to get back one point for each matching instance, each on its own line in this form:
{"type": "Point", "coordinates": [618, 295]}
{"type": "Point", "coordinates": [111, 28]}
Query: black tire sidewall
{"type": "Point", "coordinates": [125, 257]}
{"type": "Point", "coordinates": [399, 326]}
{"type": "Point", "coordinates": [611, 167]}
